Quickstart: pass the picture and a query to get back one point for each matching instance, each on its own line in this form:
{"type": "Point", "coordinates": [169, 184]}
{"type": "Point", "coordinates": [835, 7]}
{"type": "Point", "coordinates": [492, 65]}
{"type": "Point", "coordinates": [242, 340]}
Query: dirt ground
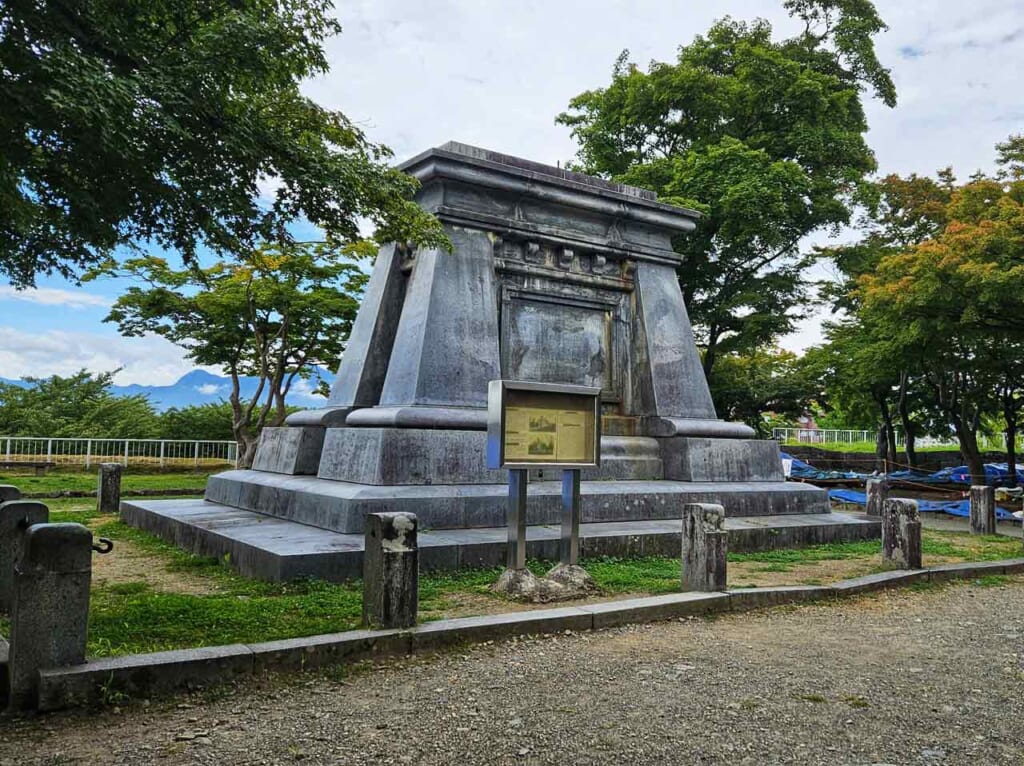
{"type": "Point", "coordinates": [904, 677]}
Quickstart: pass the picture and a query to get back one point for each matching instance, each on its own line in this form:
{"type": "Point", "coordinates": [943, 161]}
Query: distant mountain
{"type": "Point", "coordinates": [202, 387]}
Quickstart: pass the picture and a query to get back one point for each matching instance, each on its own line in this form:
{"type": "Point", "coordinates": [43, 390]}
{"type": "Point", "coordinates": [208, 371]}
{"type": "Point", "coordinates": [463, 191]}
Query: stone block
{"type": "Point", "coordinates": [877, 490]}
{"type": "Point", "coordinates": [756, 598]}
{"type": "Point", "coordinates": [390, 571]}
{"type": "Point", "coordinates": [330, 649]}
{"type": "Point", "coordinates": [51, 607]}
{"type": "Point", "coordinates": [141, 676]}
{"type": "Point", "coordinates": [982, 510]}
{"type": "Point", "coordinates": [9, 492]}
{"type": "Point", "coordinates": [878, 581]}
{"type": "Point", "coordinates": [720, 460]}
{"type": "Point", "coordinates": [16, 516]}
{"type": "Point", "coordinates": [670, 606]}
{"type": "Point", "coordinates": [436, 635]}
{"type": "Point", "coordinates": [292, 450]}
{"type": "Point", "coordinates": [108, 490]}
{"type": "Point", "coordinates": [901, 534]}
{"type": "Point", "coordinates": [705, 544]}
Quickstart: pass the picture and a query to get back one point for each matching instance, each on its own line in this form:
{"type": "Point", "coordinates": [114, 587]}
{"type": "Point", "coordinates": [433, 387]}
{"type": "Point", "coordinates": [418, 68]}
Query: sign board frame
{"type": "Point", "coordinates": [497, 402]}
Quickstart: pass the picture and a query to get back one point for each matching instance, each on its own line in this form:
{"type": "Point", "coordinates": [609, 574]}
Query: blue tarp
{"type": "Point", "coordinates": [953, 507]}
{"type": "Point", "coordinates": [995, 473]}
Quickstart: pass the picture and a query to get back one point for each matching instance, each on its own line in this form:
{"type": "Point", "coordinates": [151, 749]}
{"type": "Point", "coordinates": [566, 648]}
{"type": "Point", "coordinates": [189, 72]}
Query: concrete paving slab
{"type": "Point", "coordinates": [670, 606]}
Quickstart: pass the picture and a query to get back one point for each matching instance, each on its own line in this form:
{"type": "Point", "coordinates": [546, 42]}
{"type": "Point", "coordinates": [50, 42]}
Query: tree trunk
{"type": "Point", "coordinates": [889, 452]}
{"type": "Point", "coordinates": [881, 447]}
{"type": "Point", "coordinates": [970, 451]}
{"type": "Point", "coordinates": [1011, 449]}
{"type": "Point", "coordinates": [907, 423]}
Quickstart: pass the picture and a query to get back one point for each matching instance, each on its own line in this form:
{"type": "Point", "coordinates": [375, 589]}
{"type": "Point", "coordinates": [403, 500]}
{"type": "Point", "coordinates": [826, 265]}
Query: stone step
{"type": "Point", "coordinates": [275, 549]}
{"type": "Point", "coordinates": [340, 506]}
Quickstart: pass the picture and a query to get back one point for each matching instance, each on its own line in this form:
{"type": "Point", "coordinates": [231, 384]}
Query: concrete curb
{"type": "Point", "coordinates": [142, 675]}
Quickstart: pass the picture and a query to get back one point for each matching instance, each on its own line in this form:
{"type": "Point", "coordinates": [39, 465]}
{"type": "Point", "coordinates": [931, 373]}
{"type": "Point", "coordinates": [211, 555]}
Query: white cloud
{"type": "Point", "coordinates": [150, 360]}
{"type": "Point", "coordinates": [210, 389]}
{"type": "Point", "coordinates": [52, 296]}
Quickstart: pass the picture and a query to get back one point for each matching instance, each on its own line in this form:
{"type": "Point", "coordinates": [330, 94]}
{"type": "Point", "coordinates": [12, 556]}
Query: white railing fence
{"type": "Point", "coordinates": [163, 453]}
{"type": "Point", "coordinates": [846, 436]}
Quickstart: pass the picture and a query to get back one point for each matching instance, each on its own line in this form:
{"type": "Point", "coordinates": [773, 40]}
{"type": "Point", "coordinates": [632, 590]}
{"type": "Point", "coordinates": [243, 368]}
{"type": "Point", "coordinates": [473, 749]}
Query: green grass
{"type": "Point", "coordinates": [85, 481]}
{"type": "Point", "coordinates": [867, 447]}
{"type": "Point", "coordinates": [132, 617]}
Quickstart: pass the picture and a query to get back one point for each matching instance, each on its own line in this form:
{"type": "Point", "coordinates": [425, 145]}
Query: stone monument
{"type": "Point", "coordinates": [555, 277]}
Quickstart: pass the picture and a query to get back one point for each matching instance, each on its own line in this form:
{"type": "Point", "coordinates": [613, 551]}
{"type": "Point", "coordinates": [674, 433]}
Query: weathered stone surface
{"type": "Point", "coordinates": [554, 277]}
{"type": "Point", "coordinates": [108, 491]}
{"type": "Point", "coordinates": [390, 571]}
{"type": "Point", "coordinates": [292, 450]}
{"type": "Point", "coordinates": [705, 544]}
{"type": "Point", "coordinates": [446, 343]}
{"type": "Point", "coordinates": [877, 490]}
{"type": "Point", "coordinates": [51, 607]}
{"type": "Point", "coordinates": [983, 510]}
{"type": "Point", "coordinates": [365, 361]}
{"type": "Point", "coordinates": [901, 534]}
{"type": "Point", "coordinates": [576, 580]}
{"type": "Point", "coordinates": [15, 518]}
{"type": "Point", "coordinates": [721, 460]}
{"type": "Point", "coordinates": [9, 492]}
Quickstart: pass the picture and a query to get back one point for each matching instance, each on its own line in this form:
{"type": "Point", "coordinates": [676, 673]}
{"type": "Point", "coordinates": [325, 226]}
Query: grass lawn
{"type": "Point", "coordinates": [56, 482]}
{"type": "Point", "coordinates": [148, 596]}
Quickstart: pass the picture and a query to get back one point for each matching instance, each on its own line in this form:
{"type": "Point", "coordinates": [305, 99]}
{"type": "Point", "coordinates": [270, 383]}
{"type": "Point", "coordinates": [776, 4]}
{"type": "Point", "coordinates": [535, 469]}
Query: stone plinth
{"type": "Point", "coordinates": [877, 490]}
{"type": "Point", "coordinates": [983, 510]}
{"type": "Point", "coordinates": [901, 534]}
{"type": "Point", "coordinates": [390, 571]}
{"type": "Point", "coordinates": [51, 607]}
{"type": "Point", "coordinates": [705, 546]}
{"type": "Point", "coordinates": [108, 490]}
{"type": "Point", "coordinates": [16, 516]}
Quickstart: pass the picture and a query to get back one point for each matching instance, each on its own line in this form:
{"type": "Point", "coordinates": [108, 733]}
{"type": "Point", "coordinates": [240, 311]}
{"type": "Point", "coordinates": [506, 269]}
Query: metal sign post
{"type": "Point", "coordinates": [516, 552]}
{"type": "Point", "coordinates": [543, 425]}
{"type": "Point", "coordinates": [569, 545]}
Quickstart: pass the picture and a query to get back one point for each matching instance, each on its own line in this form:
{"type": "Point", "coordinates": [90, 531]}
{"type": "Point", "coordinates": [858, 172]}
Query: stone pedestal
{"type": "Point", "coordinates": [108, 491]}
{"type": "Point", "coordinates": [877, 490]}
{"type": "Point", "coordinates": [51, 607]}
{"type": "Point", "coordinates": [556, 277]}
{"type": "Point", "coordinates": [390, 571]}
{"type": "Point", "coordinates": [705, 546]}
{"type": "Point", "coordinates": [901, 534]}
{"type": "Point", "coordinates": [983, 510]}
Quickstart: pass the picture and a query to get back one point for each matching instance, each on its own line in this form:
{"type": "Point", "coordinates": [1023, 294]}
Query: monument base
{"type": "Point", "coordinates": [275, 549]}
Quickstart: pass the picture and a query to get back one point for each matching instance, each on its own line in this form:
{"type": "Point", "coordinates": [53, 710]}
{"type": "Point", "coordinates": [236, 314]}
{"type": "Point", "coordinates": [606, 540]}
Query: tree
{"type": "Point", "coordinates": [765, 138]}
{"type": "Point", "coordinates": [198, 421]}
{"type": "Point", "coordinates": [767, 380]}
{"type": "Point", "coordinates": [134, 121]}
{"type": "Point", "coordinates": [79, 405]}
{"type": "Point", "coordinates": [275, 314]}
{"type": "Point", "coordinates": [957, 295]}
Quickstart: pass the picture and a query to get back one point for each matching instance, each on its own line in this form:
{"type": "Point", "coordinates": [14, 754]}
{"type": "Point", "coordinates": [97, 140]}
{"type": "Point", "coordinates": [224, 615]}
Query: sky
{"type": "Point", "coordinates": [416, 73]}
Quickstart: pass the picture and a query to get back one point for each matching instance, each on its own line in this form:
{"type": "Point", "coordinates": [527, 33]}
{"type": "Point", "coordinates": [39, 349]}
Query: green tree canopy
{"type": "Point", "coordinates": [765, 137]}
{"type": "Point", "coordinates": [79, 405]}
{"type": "Point", "coordinates": [129, 121]}
{"type": "Point", "coordinates": [276, 313]}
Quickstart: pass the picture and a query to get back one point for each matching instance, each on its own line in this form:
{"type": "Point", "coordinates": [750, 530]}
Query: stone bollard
{"type": "Point", "coordinates": [901, 534]}
{"type": "Point", "coordinates": [9, 492]}
{"type": "Point", "coordinates": [108, 493]}
{"type": "Point", "coordinates": [705, 544]}
{"type": "Point", "coordinates": [15, 518]}
{"type": "Point", "coordinates": [390, 571]}
{"type": "Point", "coordinates": [983, 510]}
{"type": "Point", "coordinates": [876, 490]}
{"type": "Point", "coordinates": [51, 607]}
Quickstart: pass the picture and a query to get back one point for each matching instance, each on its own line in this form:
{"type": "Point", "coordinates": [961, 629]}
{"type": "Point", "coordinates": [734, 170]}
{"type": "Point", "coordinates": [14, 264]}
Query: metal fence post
{"type": "Point", "coordinates": [88, 452]}
{"type": "Point", "coordinates": [197, 453]}
{"type": "Point", "coordinates": [125, 453]}
{"type": "Point", "coordinates": [163, 445]}
{"type": "Point", "coordinates": [8, 449]}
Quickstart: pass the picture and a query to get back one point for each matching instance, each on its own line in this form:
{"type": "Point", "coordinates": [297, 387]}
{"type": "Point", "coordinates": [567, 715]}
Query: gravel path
{"type": "Point", "coordinates": [930, 677]}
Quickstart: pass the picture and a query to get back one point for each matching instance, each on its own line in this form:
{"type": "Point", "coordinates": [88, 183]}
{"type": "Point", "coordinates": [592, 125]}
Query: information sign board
{"type": "Point", "coordinates": [542, 425]}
